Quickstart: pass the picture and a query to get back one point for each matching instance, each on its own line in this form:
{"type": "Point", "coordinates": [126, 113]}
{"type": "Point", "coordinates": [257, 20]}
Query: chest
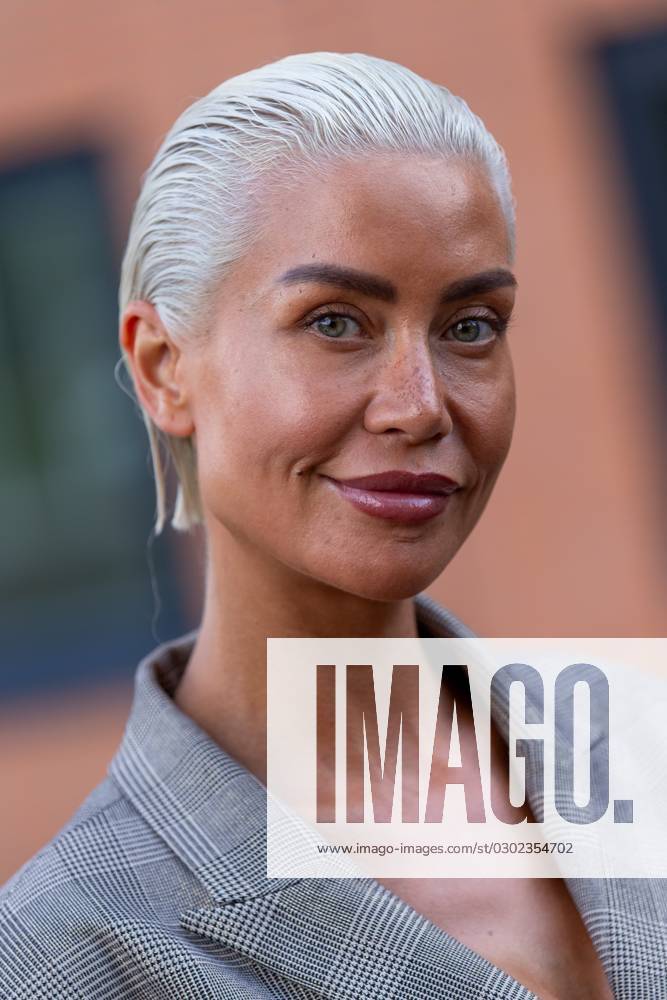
{"type": "Point", "coordinates": [529, 928]}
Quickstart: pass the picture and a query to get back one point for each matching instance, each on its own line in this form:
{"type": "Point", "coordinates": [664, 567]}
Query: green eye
{"type": "Point", "coordinates": [472, 330]}
{"type": "Point", "coordinates": [333, 325]}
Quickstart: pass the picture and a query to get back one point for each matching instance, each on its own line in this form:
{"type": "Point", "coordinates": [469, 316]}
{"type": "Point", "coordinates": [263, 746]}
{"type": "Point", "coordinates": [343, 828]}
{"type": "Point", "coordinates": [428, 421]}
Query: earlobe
{"type": "Point", "coordinates": [153, 359]}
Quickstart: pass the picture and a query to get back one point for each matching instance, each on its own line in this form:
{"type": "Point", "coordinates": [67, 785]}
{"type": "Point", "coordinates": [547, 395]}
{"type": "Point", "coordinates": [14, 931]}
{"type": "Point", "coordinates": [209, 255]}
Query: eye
{"type": "Point", "coordinates": [475, 330]}
{"type": "Point", "coordinates": [334, 325]}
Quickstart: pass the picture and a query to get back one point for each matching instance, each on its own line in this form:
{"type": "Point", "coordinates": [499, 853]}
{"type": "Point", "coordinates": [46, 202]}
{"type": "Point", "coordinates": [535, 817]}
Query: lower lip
{"type": "Point", "coordinates": [409, 508]}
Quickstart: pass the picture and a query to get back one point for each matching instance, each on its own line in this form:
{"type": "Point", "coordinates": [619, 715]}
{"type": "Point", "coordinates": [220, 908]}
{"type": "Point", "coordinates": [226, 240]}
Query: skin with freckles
{"type": "Point", "coordinates": [365, 332]}
{"type": "Point", "coordinates": [383, 385]}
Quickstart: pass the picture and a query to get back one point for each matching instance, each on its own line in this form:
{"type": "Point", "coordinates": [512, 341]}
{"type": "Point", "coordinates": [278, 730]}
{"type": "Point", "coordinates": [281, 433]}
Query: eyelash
{"type": "Point", "coordinates": [495, 322]}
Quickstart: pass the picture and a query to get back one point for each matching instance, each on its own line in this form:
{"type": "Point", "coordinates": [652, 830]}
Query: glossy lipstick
{"type": "Point", "coordinates": [398, 495]}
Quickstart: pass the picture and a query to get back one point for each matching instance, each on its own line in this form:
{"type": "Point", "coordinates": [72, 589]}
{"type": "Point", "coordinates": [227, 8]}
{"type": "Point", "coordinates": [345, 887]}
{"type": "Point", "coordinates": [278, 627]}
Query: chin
{"type": "Point", "coordinates": [390, 583]}
{"type": "Point", "coordinates": [390, 572]}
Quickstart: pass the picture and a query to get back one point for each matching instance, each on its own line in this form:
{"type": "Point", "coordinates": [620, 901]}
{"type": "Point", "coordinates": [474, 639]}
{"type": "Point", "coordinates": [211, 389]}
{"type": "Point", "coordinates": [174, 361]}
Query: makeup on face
{"type": "Point", "coordinates": [358, 392]}
{"type": "Point", "coordinates": [399, 495]}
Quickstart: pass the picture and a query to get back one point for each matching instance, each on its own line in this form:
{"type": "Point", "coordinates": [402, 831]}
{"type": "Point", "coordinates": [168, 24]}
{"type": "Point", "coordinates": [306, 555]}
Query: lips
{"type": "Point", "coordinates": [398, 495]}
{"type": "Point", "coordinates": [404, 482]}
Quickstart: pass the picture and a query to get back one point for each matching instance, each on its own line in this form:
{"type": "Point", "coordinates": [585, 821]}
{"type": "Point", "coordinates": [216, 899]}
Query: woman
{"type": "Point", "coordinates": [314, 307]}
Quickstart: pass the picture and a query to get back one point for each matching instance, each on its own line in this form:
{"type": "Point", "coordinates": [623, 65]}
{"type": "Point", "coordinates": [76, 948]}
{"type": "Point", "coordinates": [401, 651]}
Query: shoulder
{"type": "Point", "coordinates": [75, 910]}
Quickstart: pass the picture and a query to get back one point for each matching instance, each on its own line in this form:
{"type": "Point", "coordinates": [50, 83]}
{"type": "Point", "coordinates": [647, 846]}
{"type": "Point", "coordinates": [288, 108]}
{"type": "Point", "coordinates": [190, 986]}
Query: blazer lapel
{"type": "Point", "coordinates": [626, 918]}
{"type": "Point", "coordinates": [340, 937]}
{"type": "Point", "coordinates": [351, 938]}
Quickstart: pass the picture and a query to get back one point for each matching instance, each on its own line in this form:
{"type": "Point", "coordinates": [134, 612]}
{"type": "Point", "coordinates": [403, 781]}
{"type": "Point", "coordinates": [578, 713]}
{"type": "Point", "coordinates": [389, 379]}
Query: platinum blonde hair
{"type": "Point", "coordinates": [196, 213]}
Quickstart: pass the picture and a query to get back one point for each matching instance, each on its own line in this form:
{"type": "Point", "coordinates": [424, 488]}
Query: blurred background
{"type": "Point", "coordinates": [573, 540]}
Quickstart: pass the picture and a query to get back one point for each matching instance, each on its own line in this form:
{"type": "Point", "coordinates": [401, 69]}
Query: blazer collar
{"type": "Point", "coordinates": [339, 937]}
{"type": "Point", "coordinates": [208, 807]}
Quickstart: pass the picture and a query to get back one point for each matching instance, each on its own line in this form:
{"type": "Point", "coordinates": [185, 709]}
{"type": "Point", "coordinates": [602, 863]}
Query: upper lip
{"type": "Point", "coordinates": [400, 481]}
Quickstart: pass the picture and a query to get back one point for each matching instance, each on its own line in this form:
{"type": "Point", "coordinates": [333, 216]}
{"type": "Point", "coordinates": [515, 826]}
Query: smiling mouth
{"type": "Point", "coordinates": [397, 496]}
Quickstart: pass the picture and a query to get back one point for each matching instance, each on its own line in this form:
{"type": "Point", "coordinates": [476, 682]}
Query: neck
{"type": "Point", "coordinates": [249, 597]}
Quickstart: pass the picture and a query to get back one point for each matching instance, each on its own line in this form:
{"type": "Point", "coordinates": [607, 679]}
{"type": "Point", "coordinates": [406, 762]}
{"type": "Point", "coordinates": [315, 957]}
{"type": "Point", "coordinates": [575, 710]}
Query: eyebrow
{"type": "Point", "coordinates": [380, 288]}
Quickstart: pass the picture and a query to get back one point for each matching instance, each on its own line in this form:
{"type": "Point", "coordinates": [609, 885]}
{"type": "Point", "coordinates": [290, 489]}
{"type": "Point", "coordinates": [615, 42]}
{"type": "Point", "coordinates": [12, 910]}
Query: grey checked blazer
{"type": "Point", "coordinates": [157, 888]}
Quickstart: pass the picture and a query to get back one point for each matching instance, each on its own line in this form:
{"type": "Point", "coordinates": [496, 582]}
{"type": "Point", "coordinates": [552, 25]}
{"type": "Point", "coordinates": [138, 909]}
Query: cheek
{"type": "Point", "coordinates": [488, 421]}
{"type": "Point", "coordinates": [260, 426]}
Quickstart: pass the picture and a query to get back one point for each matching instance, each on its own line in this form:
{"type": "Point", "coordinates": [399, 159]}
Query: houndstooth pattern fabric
{"type": "Point", "coordinates": [156, 888]}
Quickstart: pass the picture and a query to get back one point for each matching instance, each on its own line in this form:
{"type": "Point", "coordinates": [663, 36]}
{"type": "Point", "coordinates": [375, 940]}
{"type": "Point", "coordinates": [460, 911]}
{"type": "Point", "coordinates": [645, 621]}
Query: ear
{"type": "Point", "coordinates": [157, 370]}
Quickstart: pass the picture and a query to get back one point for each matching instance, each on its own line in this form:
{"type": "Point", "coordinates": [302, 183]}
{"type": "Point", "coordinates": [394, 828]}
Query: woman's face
{"type": "Point", "coordinates": [362, 335]}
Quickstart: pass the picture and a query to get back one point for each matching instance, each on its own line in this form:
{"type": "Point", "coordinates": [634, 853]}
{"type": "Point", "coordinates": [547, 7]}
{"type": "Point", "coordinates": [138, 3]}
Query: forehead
{"type": "Point", "coordinates": [410, 218]}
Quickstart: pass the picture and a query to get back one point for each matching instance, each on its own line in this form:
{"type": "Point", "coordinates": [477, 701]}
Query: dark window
{"type": "Point", "coordinates": [634, 68]}
{"type": "Point", "coordinates": [76, 503]}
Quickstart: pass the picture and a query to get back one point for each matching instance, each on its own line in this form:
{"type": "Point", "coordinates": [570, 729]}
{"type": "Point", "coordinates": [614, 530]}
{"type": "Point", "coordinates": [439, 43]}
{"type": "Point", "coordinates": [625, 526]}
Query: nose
{"type": "Point", "coordinates": [409, 394]}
